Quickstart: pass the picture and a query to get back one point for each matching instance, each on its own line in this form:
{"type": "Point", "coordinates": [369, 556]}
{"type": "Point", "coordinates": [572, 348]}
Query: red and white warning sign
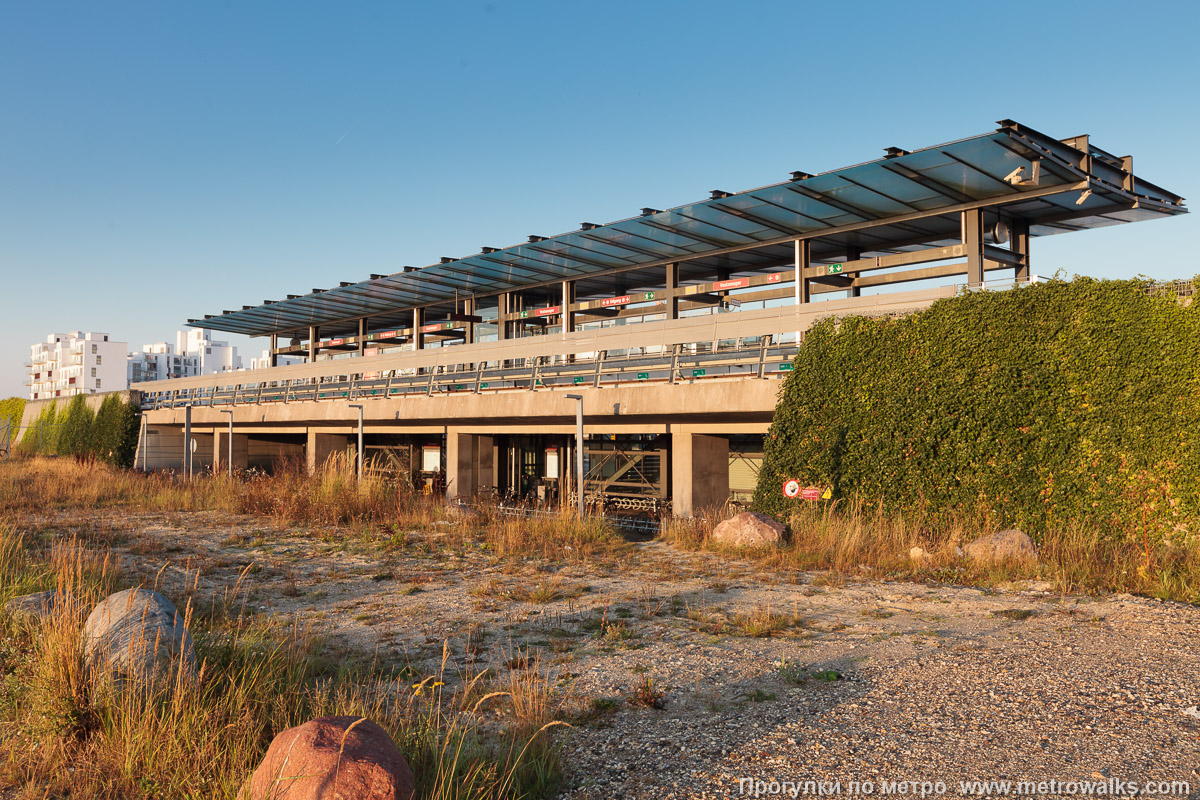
{"type": "Point", "coordinates": [791, 489]}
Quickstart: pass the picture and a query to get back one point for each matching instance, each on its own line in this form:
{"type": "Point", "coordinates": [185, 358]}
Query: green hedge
{"type": "Point", "coordinates": [11, 409]}
{"type": "Point", "coordinates": [1073, 400]}
{"type": "Point", "coordinates": [109, 434]}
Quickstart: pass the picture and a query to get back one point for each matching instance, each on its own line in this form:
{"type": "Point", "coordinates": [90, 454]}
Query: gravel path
{"type": "Point", "coordinates": [866, 681]}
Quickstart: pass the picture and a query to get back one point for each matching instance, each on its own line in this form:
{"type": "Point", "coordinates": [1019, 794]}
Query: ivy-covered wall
{"type": "Point", "coordinates": [1069, 400]}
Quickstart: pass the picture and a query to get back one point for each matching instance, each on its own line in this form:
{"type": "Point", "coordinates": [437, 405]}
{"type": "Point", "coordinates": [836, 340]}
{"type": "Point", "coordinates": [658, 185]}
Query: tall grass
{"type": "Point", "coordinates": [863, 540]}
{"type": "Point", "coordinates": [192, 735]}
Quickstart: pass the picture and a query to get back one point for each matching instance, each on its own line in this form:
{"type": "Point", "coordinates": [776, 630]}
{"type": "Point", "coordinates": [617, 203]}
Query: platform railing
{"type": "Point", "coordinates": [756, 343]}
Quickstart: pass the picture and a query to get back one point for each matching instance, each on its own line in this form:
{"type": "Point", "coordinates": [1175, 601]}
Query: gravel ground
{"type": "Point", "coordinates": [862, 681]}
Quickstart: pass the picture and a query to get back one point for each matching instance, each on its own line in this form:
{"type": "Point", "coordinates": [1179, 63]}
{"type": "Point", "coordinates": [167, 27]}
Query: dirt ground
{"type": "Point", "coordinates": [760, 676]}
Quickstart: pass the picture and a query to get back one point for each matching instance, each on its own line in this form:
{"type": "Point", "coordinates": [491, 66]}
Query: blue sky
{"type": "Point", "coordinates": [160, 161]}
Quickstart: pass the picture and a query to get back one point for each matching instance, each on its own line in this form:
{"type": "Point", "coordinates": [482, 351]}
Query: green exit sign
{"type": "Point", "coordinates": [643, 376]}
{"type": "Point", "coordinates": [458, 387]}
{"type": "Point", "coordinates": [483, 385]}
{"type": "Point", "coordinates": [785, 367]}
{"type": "Point", "coordinates": [649, 295]}
{"type": "Point", "coordinates": [578, 380]}
{"type": "Point", "coordinates": [698, 373]}
{"type": "Point", "coordinates": [524, 315]}
{"type": "Point", "coordinates": [833, 269]}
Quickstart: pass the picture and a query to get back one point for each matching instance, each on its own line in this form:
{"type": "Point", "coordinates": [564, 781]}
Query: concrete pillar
{"type": "Point", "coordinates": [241, 451]}
{"type": "Point", "coordinates": [320, 446]}
{"type": "Point", "coordinates": [469, 465]}
{"type": "Point", "coordinates": [314, 334]}
{"type": "Point", "coordinates": [163, 448]}
{"type": "Point", "coordinates": [699, 472]}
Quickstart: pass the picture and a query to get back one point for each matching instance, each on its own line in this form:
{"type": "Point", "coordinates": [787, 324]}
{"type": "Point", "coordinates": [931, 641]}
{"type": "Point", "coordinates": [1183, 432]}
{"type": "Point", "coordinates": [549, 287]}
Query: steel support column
{"type": "Point", "coordinates": [672, 286]}
{"type": "Point", "coordinates": [362, 335]}
{"type": "Point", "coordinates": [313, 334]}
{"type": "Point", "coordinates": [1020, 246]}
{"type": "Point", "coordinates": [972, 239]}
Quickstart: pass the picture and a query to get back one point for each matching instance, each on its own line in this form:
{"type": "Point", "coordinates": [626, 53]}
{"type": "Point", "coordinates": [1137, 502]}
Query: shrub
{"type": "Point", "coordinates": [1065, 401]}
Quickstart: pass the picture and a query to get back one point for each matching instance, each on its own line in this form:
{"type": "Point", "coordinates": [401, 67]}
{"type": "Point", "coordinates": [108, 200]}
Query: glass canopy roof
{"type": "Point", "coordinates": [905, 201]}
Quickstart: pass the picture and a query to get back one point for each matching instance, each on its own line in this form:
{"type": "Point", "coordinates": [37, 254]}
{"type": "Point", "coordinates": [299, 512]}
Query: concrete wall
{"type": "Point", "coordinates": [35, 407]}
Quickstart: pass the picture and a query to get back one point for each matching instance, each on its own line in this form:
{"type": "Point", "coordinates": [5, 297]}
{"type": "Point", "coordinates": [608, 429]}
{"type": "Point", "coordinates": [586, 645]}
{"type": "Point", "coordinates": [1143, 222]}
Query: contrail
{"type": "Point", "coordinates": [347, 133]}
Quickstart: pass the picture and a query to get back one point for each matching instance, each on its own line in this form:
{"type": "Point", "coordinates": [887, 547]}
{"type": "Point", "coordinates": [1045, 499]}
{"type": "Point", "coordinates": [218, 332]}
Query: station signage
{"type": "Point", "coordinates": [739, 283]}
{"type": "Point", "coordinates": [775, 277]}
{"type": "Point", "coordinates": [336, 342]}
{"type": "Point", "coordinates": [385, 335]}
{"type": "Point", "coordinates": [833, 269]}
{"type": "Point", "coordinates": [437, 326]}
{"type": "Point", "coordinates": [542, 312]}
{"type": "Point", "coordinates": [615, 301]}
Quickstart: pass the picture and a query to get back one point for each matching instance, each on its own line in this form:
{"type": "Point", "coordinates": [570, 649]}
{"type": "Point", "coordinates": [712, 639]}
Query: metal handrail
{"type": "Point", "coordinates": [303, 381]}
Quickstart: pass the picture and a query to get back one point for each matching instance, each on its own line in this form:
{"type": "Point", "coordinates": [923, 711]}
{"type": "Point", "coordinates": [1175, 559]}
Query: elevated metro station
{"type": "Point", "coordinates": [674, 327]}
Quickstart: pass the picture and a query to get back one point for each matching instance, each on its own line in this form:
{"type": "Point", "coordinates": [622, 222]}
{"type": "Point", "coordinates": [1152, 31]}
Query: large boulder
{"type": "Point", "coordinates": [135, 633]}
{"type": "Point", "coordinates": [1006, 545]}
{"type": "Point", "coordinates": [749, 529]}
{"type": "Point", "coordinates": [332, 758]}
{"type": "Point", "coordinates": [31, 609]}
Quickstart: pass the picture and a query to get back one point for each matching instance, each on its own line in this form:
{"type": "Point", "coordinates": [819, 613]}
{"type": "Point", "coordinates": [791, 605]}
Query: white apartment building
{"type": "Point", "coordinates": [212, 357]}
{"type": "Point", "coordinates": [264, 362]}
{"type": "Point", "coordinates": [194, 353]}
{"type": "Point", "coordinates": [158, 362]}
{"type": "Point", "coordinates": [73, 363]}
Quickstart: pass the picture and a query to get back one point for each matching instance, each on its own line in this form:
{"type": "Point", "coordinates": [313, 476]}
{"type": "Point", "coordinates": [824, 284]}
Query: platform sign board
{"type": "Point", "coordinates": [833, 269]}
{"type": "Point", "coordinates": [547, 311]}
{"type": "Point", "coordinates": [786, 367]}
{"type": "Point", "coordinates": [699, 373]}
{"type": "Point", "coordinates": [608, 302]}
{"type": "Point", "coordinates": [641, 376]}
{"type": "Point", "coordinates": [578, 379]}
{"type": "Point", "coordinates": [737, 283]}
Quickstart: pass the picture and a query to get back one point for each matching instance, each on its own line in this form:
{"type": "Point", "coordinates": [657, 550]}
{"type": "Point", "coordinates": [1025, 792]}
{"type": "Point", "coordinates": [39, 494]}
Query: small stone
{"type": "Point", "coordinates": [31, 609]}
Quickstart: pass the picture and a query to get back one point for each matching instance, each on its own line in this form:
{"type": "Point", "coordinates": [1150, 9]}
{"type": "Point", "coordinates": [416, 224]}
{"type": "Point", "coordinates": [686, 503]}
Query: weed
{"type": "Point", "coordinates": [647, 695]}
{"type": "Point", "coordinates": [1016, 614]}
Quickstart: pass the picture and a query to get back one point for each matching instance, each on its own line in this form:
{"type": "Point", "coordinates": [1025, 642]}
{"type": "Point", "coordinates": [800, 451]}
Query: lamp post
{"type": "Point", "coordinates": [360, 439]}
{"type": "Point", "coordinates": [578, 398]}
{"type": "Point", "coordinates": [187, 441]}
{"type": "Point", "coordinates": [230, 456]}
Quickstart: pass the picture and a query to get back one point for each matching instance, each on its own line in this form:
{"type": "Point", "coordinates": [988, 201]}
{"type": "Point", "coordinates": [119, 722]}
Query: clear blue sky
{"type": "Point", "coordinates": [160, 161]}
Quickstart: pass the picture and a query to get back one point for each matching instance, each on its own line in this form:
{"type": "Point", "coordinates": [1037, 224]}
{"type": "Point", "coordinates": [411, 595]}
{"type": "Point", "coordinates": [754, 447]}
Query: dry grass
{"type": "Point", "coordinates": [857, 540]}
{"type": "Point", "coordinates": [376, 506]}
{"type": "Point", "coordinates": [191, 736]}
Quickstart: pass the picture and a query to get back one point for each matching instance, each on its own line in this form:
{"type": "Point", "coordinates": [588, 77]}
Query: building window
{"type": "Point", "coordinates": [93, 348]}
{"type": "Point", "coordinates": [97, 383]}
{"type": "Point", "coordinates": [94, 371]}
{"type": "Point", "coordinates": [98, 359]}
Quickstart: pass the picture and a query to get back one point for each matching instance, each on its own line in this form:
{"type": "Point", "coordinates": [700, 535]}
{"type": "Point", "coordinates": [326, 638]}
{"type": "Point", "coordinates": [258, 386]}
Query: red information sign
{"type": "Point", "coordinates": [386, 335]}
{"type": "Point", "coordinates": [775, 277]}
{"type": "Point", "coordinates": [615, 301]}
{"type": "Point", "coordinates": [545, 312]}
{"type": "Point", "coordinates": [810, 493]}
{"type": "Point", "coordinates": [437, 326]}
{"type": "Point", "coordinates": [335, 342]}
{"type": "Point", "coordinates": [737, 283]}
